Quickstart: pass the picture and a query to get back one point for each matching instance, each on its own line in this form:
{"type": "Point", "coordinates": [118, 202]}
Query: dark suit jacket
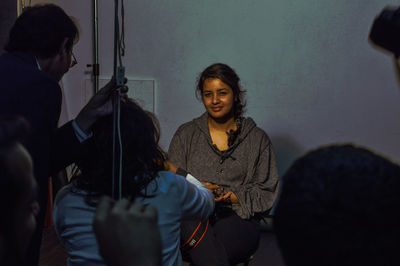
{"type": "Point", "coordinates": [27, 91]}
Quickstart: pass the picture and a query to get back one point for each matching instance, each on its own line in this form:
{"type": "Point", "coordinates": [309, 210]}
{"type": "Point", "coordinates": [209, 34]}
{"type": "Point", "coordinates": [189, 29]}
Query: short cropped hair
{"type": "Point", "coordinates": [340, 205]}
{"type": "Point", "coordinates": [41, 30]}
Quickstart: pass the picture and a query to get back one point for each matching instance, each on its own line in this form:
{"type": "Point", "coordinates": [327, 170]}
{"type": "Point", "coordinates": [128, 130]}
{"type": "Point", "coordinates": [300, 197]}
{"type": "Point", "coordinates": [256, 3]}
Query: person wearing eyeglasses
{"type": "Point", "coordinates": [38, 54]}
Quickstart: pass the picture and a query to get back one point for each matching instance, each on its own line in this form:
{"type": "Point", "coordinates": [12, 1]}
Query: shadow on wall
{"type": "Point", "coordinates": [396, 65]}
{"type": "Point", "coordinates": [8, 14]}
{"type": "Point", "coordinates": [396, 62]}
{"type": "Point", "coordinates": [286, 151]}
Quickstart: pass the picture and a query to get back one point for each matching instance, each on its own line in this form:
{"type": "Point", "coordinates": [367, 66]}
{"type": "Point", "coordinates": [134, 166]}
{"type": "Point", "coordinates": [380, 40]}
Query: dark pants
{"type": "Point", "coordinates": [229, 240]}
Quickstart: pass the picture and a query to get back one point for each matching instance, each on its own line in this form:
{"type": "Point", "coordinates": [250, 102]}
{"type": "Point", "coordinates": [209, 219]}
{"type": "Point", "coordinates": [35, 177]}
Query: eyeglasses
{"type": "Point", "coordinates": [73, 61]}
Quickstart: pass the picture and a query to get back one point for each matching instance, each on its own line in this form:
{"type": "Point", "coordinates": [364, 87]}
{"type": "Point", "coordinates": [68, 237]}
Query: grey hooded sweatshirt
{"type": "Point", "coordinates": [247, 168]}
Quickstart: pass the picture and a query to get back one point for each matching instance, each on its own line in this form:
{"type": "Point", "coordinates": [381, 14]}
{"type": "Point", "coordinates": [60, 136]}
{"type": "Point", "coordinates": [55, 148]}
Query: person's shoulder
{"type": "Point", "coordinates": [19, 62]}
{"type": "Point", "coordinates": [170, 178]}
{"type": "Point", "coordinates": [187, 126]}
{"type": "Point", "coordinates": [27, 79]}
{"type": "Point", "coordinates": [168, 181]}
{"type": "Point", "coordinates": [251, 129]}
{"type": "Point", "coordinates": [69, 193]}
{"type": "Point", "coordinates": [62, 193]}
{"type": "Point", "coordinates": [190, 126]}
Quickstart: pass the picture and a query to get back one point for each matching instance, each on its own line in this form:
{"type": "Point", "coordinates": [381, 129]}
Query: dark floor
{"type": "Point", "coordinates": [268, 253]}
{"type": "Point", "coordinates": [53, 254]}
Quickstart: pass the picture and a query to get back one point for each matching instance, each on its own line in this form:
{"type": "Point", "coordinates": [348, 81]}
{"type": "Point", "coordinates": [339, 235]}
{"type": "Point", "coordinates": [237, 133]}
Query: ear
{"type": "Point", "coordinates": [63, 47]}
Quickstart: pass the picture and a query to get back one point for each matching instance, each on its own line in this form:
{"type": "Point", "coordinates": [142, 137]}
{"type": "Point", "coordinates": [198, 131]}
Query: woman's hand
{"type": "Point", "coordinates": [168, 166]}
{"type": "Point", "coordinates": [100, 105]}
{"type": "Point", "coordinates": [229, 197]}
{"type": "Point", "coordinates": [212, 187]}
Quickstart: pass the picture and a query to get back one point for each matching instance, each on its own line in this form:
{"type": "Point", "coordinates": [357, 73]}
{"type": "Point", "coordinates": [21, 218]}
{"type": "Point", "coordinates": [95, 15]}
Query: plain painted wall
{"type": "Point", "coordinates": [310, 73]}
{"type": "Point", "coordinates": [8, 14]}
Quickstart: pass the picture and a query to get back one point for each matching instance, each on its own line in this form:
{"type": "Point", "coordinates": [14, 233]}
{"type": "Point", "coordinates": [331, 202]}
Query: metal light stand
{"type": "Point", "coordinates": [96, 67]}
{"type": "Point", "coordinates": [116, 152]}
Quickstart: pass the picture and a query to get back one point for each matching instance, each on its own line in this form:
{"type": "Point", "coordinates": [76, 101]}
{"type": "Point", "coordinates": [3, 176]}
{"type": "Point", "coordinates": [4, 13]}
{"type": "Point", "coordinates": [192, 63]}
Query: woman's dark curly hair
{"type": "Point", "coordinates": [142, 157]}
{"type": "Point", "coordinates": [227, 75]}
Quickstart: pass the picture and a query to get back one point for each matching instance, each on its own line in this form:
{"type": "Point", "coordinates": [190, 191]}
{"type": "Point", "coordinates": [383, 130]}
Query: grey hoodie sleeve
{"type": "Point", "coordinates": [176, 150]}
{"type": "Point", "coordinates": [260, 188]}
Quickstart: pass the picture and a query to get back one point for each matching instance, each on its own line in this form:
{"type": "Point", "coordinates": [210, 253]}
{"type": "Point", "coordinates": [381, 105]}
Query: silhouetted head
{"type": "Point", "coordinates": [339, 206]}
{"type": "Point", "coordinates": [46, 32]}
{"type": "Point", "coordinates": [41, 30]}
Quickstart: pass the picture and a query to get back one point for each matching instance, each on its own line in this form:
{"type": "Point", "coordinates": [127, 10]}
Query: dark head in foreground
{"type": "Point", "coordinates": [49, 34]}
{"type": "Point", "coordinates": [340, 206]}
{"type": "Point", "coordinates": [18, 204]}
{"type": "Point", "coordinates": [142, 157]}
{"type": "Point", "coordinates": [41, 30]}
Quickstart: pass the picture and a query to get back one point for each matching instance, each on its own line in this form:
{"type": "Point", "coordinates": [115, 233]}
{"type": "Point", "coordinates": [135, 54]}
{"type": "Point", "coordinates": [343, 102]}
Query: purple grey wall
{"type": "Point", "coordinates": [311, 76]}
{"type": "Point", "coordinates": [8, 14]}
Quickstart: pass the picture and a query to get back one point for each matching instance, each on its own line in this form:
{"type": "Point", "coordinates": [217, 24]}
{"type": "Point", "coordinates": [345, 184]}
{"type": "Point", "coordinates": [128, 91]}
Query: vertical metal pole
{"type": "Point", "coordinates": [116, 99]}
{"type": "Point", "coordinates": [116, 38]}
{"type": "Point", "coordinates": [96, 68]}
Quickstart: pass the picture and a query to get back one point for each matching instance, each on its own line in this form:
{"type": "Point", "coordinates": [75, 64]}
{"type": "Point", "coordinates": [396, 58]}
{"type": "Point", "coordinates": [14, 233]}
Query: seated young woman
{"type": "Point", "coordinates": [234, 159]}
{"type": "Point", "coordinates": [143, 180]}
